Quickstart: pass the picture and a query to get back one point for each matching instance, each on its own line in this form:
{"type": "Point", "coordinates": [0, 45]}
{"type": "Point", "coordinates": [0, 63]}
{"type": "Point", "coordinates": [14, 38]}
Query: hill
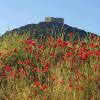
{"type": "Point", "coordinates": [54, 69]}
{"type": "Point", "coordinates": [53, 27]}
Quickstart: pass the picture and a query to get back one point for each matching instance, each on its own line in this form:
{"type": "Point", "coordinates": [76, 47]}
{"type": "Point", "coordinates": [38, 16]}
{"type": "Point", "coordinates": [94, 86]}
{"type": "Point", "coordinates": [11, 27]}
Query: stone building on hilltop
{"type": "Point", "coordinates": [56, 20]}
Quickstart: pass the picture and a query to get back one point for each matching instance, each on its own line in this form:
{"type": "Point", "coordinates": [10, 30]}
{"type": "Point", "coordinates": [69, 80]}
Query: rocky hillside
{"type": "Point", "coordinates": [42, 29]}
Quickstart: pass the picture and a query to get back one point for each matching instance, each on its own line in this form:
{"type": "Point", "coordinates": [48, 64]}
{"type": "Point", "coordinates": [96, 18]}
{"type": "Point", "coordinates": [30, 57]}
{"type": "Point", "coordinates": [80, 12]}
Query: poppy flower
{"type": "Point", "coordinates": [12, 75]}
{"type": "Point", "coordinates": [81, 88]}
{"type": "Point", "coordinates": [83, 56]}
{"type": "Point", "coordinates": [20, 62]}
{"type": "Point", "coordinates": [3, 74]}
{"type": "Point", "coordinates": [7, 68]}
{"type": "Point", "coordinates": [35, 69]}
{"type": "Point", "coordinates": [53, 54]}
{"type": "Point", "coordinates": [37, 83]}
{"type": "Point", "coordinates": [41, 47]}
{"type": "Point", "coordinates": [28, 61]}
{"type": "Point", "coordinates": [70, 87]}
{"type": "Point", "coordinates": [43, 87]}
{"type": "Point", "coordinates": [30, 42]}
{"type": "Point", "coordinates": [97, 52]}
{"type": "Point", "coordinates": [59, 40]}
{"type": "Point", "coordinates": [96, 67]}
{"type": "Point", "coordinates": [46, 69]}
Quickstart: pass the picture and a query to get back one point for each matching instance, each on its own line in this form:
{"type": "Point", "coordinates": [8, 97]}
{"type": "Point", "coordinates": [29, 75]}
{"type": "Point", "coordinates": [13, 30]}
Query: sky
{"type": "Point", "coordinates": [83, 14]}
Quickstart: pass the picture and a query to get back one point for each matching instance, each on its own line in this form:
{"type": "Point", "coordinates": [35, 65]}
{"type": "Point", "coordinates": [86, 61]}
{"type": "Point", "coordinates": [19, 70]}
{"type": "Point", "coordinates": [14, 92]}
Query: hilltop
{"type": "Point", "coordinates": [51, 25]}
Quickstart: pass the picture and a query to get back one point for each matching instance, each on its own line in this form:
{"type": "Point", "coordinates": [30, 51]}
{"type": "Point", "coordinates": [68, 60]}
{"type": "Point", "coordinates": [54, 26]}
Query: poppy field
{"type": "Point", "coordinates": [54, 69]}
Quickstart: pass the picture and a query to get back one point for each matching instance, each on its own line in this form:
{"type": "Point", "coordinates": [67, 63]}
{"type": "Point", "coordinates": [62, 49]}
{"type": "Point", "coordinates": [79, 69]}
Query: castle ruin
{"type": "Point", "coordinates": [56, 20]}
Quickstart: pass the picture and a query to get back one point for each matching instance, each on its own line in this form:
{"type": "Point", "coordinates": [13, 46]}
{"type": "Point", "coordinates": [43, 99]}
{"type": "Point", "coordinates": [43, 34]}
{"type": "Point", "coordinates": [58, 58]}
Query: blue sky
{"type": "Point", "coordinates": [83, 14]}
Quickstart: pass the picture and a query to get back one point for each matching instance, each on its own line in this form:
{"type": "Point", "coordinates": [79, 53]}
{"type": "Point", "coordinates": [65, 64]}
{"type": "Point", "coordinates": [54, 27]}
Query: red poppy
{"type": "Point", "coordinates": [37, 83]}
{"type": "Point", "coordinates": [70, 87]}
{"type": "Point", "coordinates": [98, 52]}
{"type": "Point", "coordinates": [7, 68]}
{"type": "Point", "coordinates": [90, 53]}
{"type": "Point", "coordinates": [20, 62]}
{"type": "Point", "coordinates": [3, 74]}
{"type": "Point", "coordinates": [12, 75]}
{"type": "Point", "coordinates": [65, 43]}
{"type": "Point", "coordinates": [83, 56]}
{"type": "Point", "coordinates": [21, 70]}
{"type": "Point", "coordinates": [53, 54]}
{"type": "Point", "coordinates": [81, 88]}
{"type": "Point", "coordinates": [54, 45]}
{"type": "Point", "coordinates": [69, 54]}
{"type": "Point", "coordinates": [92, 45]}
{"type": "Point", "coordinates": [96, 67]}
{"type": "Point", "coordinates": [46, 69]}
{"type": "Point", "coordinates": [41, 47]}
{"type": "Point", "coordinates": [43, 87]}
{"type": "Point", "coordinates": [65, 57]}
{"type": "Point", "coordinates": [36, 69]}
{"type": "Point", "coordinates": [31, 42]}
{"type": "Point", "coordinates": [59, 40]}
{"type": "Point", "coordinates": [30, 51]}
{"type": "Point", "coordinates": [28, 61]}
{"type": "Point", "coordinates": [82, 43]}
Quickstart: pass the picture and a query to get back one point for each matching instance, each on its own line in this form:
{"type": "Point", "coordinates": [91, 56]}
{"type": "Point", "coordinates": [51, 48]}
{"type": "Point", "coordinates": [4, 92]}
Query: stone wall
{"type": "Point", "coordinates": [52, 19]}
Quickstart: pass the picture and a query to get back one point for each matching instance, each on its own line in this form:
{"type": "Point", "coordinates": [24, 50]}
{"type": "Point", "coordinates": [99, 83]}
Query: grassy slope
{"type": "Point", "coordinates": [53, 70]}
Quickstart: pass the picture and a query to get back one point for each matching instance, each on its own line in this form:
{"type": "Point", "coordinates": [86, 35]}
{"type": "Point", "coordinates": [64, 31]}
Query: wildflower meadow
{"type": "Point", "coordinates": [54, 69]}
